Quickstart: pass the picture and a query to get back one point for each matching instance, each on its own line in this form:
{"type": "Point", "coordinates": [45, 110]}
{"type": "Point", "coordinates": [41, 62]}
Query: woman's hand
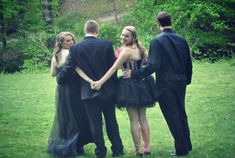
{"type": "Point", "coordinates": [127, 73]}
{"type": "Point", "coordinates": [96, 85]}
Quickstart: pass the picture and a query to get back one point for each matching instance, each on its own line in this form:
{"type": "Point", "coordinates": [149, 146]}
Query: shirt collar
{"type": "Point", "coordinates": [88, 35]}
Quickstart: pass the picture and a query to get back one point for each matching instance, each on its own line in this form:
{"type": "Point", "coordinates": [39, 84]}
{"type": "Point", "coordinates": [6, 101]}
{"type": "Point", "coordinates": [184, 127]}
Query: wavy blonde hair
{"type": "Point", "coordinates": [58, 44]}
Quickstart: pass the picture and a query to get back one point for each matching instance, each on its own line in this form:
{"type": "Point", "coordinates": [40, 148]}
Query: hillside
{"type": "Point", "coordinates": [102, 9]}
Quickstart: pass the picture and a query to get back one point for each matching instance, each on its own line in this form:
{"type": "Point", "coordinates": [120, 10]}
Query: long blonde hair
{"type": "Point", "coordinates": [59, 41]}
{"type": "Point", "coordinates": [142, 49]}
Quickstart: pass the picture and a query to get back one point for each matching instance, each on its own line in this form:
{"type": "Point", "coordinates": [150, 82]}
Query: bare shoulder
{"type": "Point", "coordinates": [127, 50]}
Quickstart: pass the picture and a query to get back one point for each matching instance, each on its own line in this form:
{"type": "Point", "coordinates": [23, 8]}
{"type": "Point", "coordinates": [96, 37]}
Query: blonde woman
{"type": "Point", "coordinates": [132, 93]}
{"type": "Point", "coordinates": [70, 130]}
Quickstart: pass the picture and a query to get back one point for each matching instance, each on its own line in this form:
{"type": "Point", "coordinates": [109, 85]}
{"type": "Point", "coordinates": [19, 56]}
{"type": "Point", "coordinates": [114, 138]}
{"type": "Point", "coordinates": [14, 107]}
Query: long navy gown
{"type": "Point", "coordinates": [70, 130]}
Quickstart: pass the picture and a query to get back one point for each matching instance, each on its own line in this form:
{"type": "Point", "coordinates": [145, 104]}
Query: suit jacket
{"type": "Point", "coordinates": [94, 57]}
{"type": "Point", "coordinates": [169, 57]}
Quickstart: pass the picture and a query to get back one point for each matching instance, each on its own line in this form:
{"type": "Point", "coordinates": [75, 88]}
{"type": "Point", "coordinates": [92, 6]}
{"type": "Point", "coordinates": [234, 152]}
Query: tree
{"type": "Point", "coordinates": [8, 11]}
{"type": "Point", "coordinates": [2, 27]}
{"type": "Point", "coordinates": [116, 13]}
{"type": "Point", "coordinates": [47, 13]}
{"type": "Point", "coordinates": [208, 25]}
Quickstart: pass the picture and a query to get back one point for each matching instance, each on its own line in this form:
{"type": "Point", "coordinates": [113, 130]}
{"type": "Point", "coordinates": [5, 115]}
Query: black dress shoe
{"type": "Point", "coordinates": [115, 154]}
{"type": "Point", "coordinates": [80, 151]}
{"type": "Point", "coordinates": [100, 153]}
{"type": "Point", "coordinates": [139, 154]}
{"type": "Point", "coordinates": [147, 153]}
{"type": "Point", "coordinates": [190, 149]}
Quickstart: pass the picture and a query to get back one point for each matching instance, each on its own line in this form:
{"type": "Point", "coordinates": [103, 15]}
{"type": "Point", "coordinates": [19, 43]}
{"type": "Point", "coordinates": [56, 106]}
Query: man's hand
{"type": "Point", "coordinates": [91, 83]}
{"type": "Point", "coordinates": [127, 73]}
{"type": "Point", "coordinates": [96, 85]}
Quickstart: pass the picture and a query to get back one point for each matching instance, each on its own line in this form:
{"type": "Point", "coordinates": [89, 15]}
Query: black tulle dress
{"type": "Point", "coordinates": [136, 93]}
{"type": "Point", "coordinates": [70, 130]}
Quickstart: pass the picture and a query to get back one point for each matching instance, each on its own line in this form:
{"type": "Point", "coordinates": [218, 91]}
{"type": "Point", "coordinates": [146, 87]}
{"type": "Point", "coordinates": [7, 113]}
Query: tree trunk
{"type": "Point", "coordinates": [3, 28]}
{"type": "Point", "coordinates": [115, 11]}
{"type": "Point", "coordinates": [47, 12]}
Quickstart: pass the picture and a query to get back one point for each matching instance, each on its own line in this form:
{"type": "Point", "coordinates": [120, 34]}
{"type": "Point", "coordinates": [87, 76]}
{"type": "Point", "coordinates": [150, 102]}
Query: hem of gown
{"type": "Point", "coordinates": [123, 106]}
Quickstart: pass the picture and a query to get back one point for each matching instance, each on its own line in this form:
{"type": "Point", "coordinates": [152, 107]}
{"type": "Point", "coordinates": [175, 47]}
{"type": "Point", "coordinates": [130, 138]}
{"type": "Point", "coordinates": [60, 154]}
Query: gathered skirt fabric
{"type": "Point", "coordinates": [70, 129]}
{"type": "Point", "coordinates": [136, 93]}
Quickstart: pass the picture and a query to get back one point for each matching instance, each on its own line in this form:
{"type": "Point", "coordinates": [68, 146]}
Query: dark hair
{"type": "Point", "coordinates": [164, 19]}
{"type": "Point", "coordinates": [91, 26]}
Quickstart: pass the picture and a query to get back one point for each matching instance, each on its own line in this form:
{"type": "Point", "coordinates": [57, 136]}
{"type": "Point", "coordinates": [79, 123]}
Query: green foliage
{"type": "Point", "coordinates": [216, 53]}
{"type": "Point", "coordinates": [31, 19]}
{"type": "Point", "coordinates": [56, 7]}
{"type": "Point", "coordinates": [24, 16]}
{"type": "Point", "coordinates": [75, 23]}
{"type": "Point", "coordinates": [10, 10]}
{"type": "Point", "coordinates": [110, 32]}
{"type": "Point", "coordinates": [35, 56]}
{"type": "Point", "coordinates": [35, 48]}
{"type": "Point", "coordinates": [207, 25]}
{"type": "Point", "coordinates": [10, 62]}
{"type": "Point", "coordinates": [71, 22]}
{"type": "Point", "coordinates": [206, 16]}
{"type": "Point", "coordinates": [21, 19]}
{"type": "Point", "coordinates": [10, 59]}
{"type": "Point", "coordinates": [26, 54]}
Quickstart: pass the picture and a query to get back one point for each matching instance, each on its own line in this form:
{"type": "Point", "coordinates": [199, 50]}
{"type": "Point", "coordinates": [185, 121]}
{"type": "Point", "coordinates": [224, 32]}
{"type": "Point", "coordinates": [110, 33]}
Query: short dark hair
{"type": "Point", "coordinates": [91, 26]}
{"type": "Point", "coordinates": [164, 19]}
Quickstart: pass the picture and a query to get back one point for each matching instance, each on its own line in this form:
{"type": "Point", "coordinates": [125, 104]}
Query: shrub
{"type": "Point", "coordinates": [10, 62]}
{"type": "Point", "coordinates": [207, 26]}
{"type": "Point", "coordinates": [36, 56]}
{"type": "Point", "coordinates": [31, 54]}
{"type": "Point", "coordinates": [110, 32]}
{"type": "Point", "coordinates": [73, 22]}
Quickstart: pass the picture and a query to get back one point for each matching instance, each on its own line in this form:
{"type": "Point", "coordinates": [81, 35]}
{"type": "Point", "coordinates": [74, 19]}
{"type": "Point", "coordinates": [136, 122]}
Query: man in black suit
{"type": "Point", "coordinates": [170, 59]}
{"type": "Point", "coordinates": [95, 57]}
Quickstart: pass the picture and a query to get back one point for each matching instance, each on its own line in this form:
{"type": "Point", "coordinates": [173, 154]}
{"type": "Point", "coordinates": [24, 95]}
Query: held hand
{"type": "Point", "coordinates": [127, 73]}
{"type": "Point", "coordinates": [96, 85]}
{"type": "Point", "coordinates": [91, 83]}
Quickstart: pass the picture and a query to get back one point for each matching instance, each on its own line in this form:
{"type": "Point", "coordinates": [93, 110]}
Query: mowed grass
{"type": "Point", "coordinates": [27, 112]}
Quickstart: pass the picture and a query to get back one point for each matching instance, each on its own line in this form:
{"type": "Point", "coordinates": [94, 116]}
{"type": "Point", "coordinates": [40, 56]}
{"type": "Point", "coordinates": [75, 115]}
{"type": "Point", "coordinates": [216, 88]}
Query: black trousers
{"type": "Point", "coordinates": [95, 108]}
{"type": "Point", "coordinates": [172, 104]}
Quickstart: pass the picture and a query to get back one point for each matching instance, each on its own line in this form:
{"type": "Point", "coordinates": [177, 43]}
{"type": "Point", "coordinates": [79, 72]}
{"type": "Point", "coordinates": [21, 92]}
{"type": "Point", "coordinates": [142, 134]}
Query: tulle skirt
{"type": "Point", "coordinates": [137, 93]}
{"type": "Point", "coordinates": [70, 130]}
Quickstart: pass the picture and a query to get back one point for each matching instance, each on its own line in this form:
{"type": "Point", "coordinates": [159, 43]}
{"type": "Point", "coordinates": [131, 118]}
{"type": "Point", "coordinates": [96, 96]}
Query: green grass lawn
{"type": "Point", "coordinates": [27, 111]}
